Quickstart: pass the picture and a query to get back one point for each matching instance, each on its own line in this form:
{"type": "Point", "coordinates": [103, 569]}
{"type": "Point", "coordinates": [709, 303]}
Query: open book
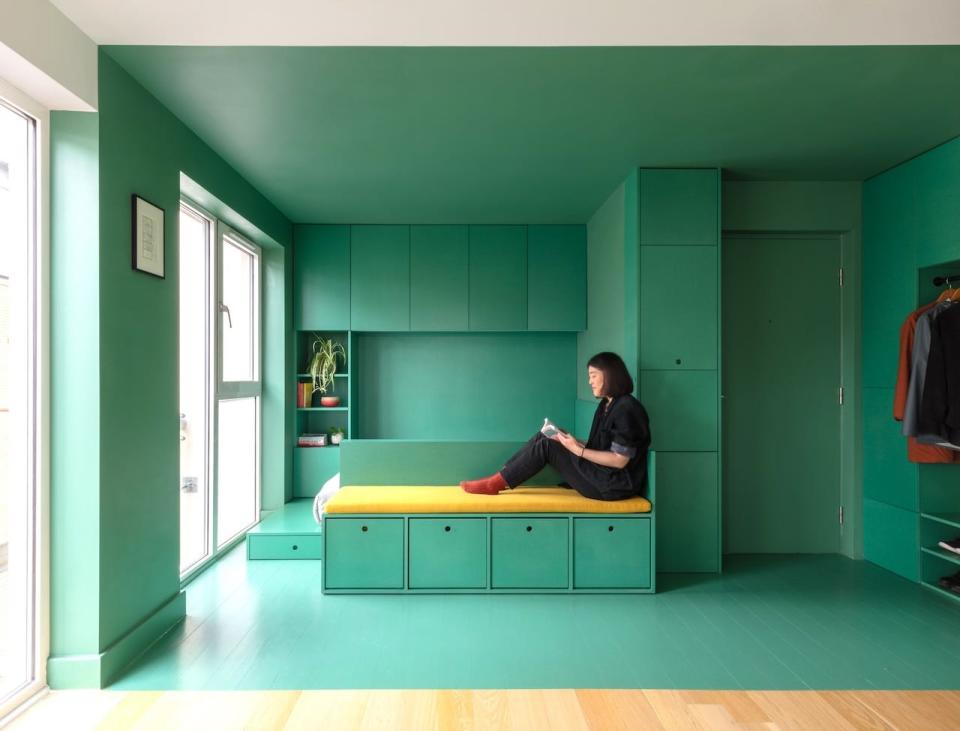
{"type": "Point", "coordinates": [549, 429]}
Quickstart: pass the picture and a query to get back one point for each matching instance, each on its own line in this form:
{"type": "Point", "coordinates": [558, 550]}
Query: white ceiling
{"type": "Point", "coordinates": [516, 22]}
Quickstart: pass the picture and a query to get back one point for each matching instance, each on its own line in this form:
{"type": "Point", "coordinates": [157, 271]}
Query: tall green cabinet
{"type": "Point", "coordinates": [678, 227]}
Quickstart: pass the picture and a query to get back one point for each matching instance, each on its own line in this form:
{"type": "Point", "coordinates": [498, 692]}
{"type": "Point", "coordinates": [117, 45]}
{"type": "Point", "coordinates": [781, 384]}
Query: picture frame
{"type": "Point", "coordinates": [148, 253]}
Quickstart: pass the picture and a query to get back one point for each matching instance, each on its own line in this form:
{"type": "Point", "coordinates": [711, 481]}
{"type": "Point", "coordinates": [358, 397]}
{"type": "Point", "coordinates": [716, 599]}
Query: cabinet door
{"type": "Point", "coordinates": [438, 278]}
{"type": "Point", "coordinates": [380, 278]}
{"type": "Point", "coordinates": [683, 407]}
{"type": "Point", "coordinates": [530, 553]}
{"type": "Point", "coordinates": [611, 553]}
{"type": "Point", "coordinates": [312, 467]}
{"type": "Point", "coordinates": [363, 553]}
{"type": "Point", "coordinates": [448, 553]}
{"type": "Point", "coordinates": [688, 511]}
{"type": "Point", "coordinates": [321, 278]}
{"type": "Point", "coordinates": [498, 278]}
{"type": "Point", "coordinates": [678, 307]}
{"type": "Point", "coordinates": [557, 278]}
{"type": "Point", "coordinates": [679, 207]}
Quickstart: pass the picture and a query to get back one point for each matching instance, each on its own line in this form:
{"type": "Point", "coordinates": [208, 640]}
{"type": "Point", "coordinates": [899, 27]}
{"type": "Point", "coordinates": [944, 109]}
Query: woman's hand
{"type": "Point", "coordinates": [570, 442]}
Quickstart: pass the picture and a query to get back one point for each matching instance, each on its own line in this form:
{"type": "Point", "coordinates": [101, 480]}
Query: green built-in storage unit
{"type": "Point", "coordinates": [678, 349]}
{"type": "Point", "coordinates": [312, 466]}
{"type": "Point", "coordinates": [288, 533]}
{"type": "Point", "coordinates": [402, 296]}
{"type": "Point", "coordinates": [911, 219]}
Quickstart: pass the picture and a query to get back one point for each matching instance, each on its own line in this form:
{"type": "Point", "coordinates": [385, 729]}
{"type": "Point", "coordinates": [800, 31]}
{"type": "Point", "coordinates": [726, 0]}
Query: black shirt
{"type": "Point", "coordinates": [623, 428]}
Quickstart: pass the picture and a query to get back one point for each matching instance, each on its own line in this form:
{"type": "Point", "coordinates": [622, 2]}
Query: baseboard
{"type": "Point", "coordinates": [97, 670]}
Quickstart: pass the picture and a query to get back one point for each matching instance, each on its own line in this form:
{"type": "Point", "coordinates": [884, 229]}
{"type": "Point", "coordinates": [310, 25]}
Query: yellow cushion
{"type": "Point", "coordinates": [443, 499]}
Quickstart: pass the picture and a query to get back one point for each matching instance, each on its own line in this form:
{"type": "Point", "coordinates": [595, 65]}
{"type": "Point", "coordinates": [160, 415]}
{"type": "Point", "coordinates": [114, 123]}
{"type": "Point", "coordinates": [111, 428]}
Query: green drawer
{"type": "Point", "coordinates": [611, 553]}
{"type": "Point", "coordinates": [530, 553]}
{"type": "Point", "coordinates": [363, 553]}
{"type": "Point", "coordinates": [286, 546]}
{"type": "Point", "coordinates": [448, 553]}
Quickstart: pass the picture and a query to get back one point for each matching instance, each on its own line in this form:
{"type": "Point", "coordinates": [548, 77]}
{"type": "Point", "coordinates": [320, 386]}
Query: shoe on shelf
{"type": "Point", "coordinates": [953, 545]}
{"type": "Point", "coordinates": [950, 583]}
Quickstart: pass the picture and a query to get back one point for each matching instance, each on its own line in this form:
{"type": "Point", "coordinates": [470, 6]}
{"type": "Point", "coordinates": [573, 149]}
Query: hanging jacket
{"type": "Point", "coordinates": [940, 404]}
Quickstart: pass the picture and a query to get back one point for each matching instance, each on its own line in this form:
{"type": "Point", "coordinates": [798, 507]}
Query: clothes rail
{"type": "Point", "coordinates": [940, 281]}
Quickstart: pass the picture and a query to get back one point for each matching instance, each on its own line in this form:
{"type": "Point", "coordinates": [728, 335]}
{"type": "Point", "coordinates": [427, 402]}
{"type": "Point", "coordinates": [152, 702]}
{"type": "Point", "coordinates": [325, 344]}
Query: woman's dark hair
{"type": "Point", "coordinates": [616, 378]}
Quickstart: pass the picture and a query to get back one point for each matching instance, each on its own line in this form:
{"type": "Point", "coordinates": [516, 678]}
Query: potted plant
{"type": "Point", "coordinates": [336, 435]}
{"type": "Point", "coordinates": [323, 367]}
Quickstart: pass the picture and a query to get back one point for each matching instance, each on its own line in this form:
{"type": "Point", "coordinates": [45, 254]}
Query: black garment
{"type": "Point", "coordinates": [624, 424]}
{"type": "Point", "coordinates": [940, 401]}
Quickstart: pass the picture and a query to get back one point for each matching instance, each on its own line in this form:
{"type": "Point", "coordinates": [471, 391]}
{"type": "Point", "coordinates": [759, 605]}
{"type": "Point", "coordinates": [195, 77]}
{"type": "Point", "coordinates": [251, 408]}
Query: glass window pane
{"type": "Point", "coordinates": [238, 319]}
{"type": "Point", "coordinates": [194, 389]}
{"type": "Point", "coordinates": [17, 489]}
{"type": "Point", "coordinates": [237, 464]}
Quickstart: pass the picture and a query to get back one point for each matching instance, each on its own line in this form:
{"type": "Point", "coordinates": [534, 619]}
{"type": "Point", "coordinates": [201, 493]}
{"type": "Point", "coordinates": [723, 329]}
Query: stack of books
{"type": "Point", "coordinates": [312, 440]}
{"type": "Point", "coordinates": [304, 395]}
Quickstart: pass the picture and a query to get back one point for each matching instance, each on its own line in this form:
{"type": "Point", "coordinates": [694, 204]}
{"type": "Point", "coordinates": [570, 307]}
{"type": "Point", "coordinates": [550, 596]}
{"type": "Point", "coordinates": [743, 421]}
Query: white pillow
{"type": "Point", "coordinates": [329, 489]}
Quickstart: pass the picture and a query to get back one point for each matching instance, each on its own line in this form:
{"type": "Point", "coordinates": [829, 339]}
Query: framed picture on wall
{"type": "Point", "coordinates": [147, 237]}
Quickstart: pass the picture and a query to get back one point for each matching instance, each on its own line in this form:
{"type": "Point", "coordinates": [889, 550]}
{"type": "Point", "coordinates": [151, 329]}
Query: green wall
{"type": "Point", "coordinates": [911, 231]}
{"type": "Point", "coordinates": [812, 207]}
{"type": "Point", "coordinates": [477, 386]}
{"type": "Point", "coordinates": [131, 360]}
{"type": "Point", "coordinates": [606, 230]}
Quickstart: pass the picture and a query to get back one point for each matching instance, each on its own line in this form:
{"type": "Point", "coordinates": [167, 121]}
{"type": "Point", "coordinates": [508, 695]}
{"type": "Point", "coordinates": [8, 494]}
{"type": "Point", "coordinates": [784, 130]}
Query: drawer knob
{"type": "Point", "coordinates": [610, 528]}
{"type": "Point", "coordinates": [529, 528]}
{"type": "Point", "coordinates": [678, 361]}
{"type": "Point", "coordinates": [295, 546]}
{"type": "Point", "coordinates": [364, 528]}
{"type": "Point", "coordinates": [446, 528]}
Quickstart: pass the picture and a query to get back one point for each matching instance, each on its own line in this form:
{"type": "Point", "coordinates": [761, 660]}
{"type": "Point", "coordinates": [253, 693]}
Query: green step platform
{"type": "Point", "coordinates": [287, 533]}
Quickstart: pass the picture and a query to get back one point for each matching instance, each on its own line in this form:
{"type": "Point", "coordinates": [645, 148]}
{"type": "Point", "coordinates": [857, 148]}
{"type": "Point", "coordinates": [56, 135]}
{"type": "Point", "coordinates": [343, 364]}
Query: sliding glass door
{"type": "Point", "coordinates": [219, 387]}
{"type": "Point", "coordinates": [19, 542]}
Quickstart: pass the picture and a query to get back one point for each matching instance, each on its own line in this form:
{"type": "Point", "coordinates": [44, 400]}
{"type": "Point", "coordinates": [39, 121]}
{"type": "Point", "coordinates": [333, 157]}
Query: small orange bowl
{"type": "Point", "coordinates": [329, 400]}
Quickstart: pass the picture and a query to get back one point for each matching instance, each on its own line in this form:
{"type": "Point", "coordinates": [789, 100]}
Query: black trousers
{"type": "Point", "coordinates": [589, 479]}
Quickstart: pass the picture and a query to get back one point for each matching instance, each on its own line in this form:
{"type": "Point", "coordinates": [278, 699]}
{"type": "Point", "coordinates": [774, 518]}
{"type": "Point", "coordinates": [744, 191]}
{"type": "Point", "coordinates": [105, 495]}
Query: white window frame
{"type": "Point", "coordinates": [198, 212]}
{"type": "Point", "coordinates": [228, 390]}
{"type": "Point", "coordinates": [38, 296]}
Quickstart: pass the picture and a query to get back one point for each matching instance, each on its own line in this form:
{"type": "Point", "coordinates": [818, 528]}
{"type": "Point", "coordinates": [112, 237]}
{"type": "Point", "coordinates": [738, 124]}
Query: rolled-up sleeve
{"type": "Point", "coordinates": [627, 433]}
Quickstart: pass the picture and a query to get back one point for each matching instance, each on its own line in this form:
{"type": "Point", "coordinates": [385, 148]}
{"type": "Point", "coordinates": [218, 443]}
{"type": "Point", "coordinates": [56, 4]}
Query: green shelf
{"type": "Point", "coordinates": [335, 375]}
{"type": "Point", "coordinates": [323, 408]}
{"type": "Point", "coordinates": [951, 519]}
{"type": "Point", "coordinates": [941, 591]}
{"type": "Point", "coordinates": [942, 553]}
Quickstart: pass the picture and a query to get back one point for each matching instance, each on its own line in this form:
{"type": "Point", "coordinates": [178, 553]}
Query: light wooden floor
{"type": "Point", "coordinates": [637, 710]}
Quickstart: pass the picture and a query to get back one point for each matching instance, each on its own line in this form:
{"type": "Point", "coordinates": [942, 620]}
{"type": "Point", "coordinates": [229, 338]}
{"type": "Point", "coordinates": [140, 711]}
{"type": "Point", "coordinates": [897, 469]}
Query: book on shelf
{"type": "Point", "coordinates": [312, 440]}
{"type": "Point", "coordinates": [304, 395]}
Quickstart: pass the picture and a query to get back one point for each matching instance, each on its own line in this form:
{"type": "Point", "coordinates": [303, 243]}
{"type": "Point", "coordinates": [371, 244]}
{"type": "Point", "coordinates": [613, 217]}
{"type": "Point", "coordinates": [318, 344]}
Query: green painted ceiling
{"type": "Point", "coordinates": [542, 134]}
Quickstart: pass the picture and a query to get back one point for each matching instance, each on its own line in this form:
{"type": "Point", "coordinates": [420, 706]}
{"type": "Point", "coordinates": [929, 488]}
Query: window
{"type": "Point", "coordinates": [19, 543]}
{"type": "Point", "coordinates": [219, 387]}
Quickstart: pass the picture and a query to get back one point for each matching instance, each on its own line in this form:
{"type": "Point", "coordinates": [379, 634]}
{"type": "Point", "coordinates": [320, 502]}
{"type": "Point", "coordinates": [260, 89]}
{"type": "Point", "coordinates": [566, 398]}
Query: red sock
{"type": "Point", "coordinates": [487, 486]}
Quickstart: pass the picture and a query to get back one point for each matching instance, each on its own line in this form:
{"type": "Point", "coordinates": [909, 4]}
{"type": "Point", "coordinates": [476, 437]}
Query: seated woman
{"type": "Point", "coordinates": [612, 465]}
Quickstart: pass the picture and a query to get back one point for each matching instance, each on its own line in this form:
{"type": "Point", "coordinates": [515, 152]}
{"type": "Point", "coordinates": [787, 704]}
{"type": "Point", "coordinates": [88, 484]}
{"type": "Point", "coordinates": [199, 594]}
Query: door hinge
{"type": "Point", "coordinates": [841, 515]}
{"type": "Point", "coordinates": [841, 276]}
{"type": "Point", "coordinates": [841, 396]}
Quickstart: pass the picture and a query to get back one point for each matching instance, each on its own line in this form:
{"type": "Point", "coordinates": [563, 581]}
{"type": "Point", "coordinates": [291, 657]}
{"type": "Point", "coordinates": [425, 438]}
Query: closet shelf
{"type": "Point", "coordinates": [941, 553]}
{"type": "Point", "coordinates": [941, 591]}
{"type": "Point", "coordinates": [951, 519]}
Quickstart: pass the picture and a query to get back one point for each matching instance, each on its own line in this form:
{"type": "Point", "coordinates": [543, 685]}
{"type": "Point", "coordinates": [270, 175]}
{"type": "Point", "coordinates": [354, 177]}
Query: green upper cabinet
{"type": "Point", "coordinates": [679, 207]}
{"type": "Point", "coordinates": [321, 278]}
{"type": "Point", "coordinates": [678, 307]}
{"type": "Point", "coordinates": [557, 278]}
{"type": "Point", "coordinates": [498, 278]}
{"type": "Point", "coordinates": [380, 278]}
{"type": "Point", "coordinates": [438, 278]}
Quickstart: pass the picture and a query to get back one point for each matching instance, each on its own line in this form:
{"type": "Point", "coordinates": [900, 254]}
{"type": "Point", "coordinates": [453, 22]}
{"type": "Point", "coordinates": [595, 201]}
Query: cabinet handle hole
{"type": "Point", "coordinates": [678, 361]}
{"type": "Point", "coordinates": [295, 546]}
{"type": "Point", "coordinates": [364, 529]}
{"type": "Point", "coordinates": [610, 528]}
{"type": "Point", "coordinates": [529, 528]}
{"type": "Point", "coordinates": [447, 528]}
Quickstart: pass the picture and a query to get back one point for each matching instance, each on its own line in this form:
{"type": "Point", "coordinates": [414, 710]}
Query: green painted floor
{"type": "Point", "coordinates": [767, 623]}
